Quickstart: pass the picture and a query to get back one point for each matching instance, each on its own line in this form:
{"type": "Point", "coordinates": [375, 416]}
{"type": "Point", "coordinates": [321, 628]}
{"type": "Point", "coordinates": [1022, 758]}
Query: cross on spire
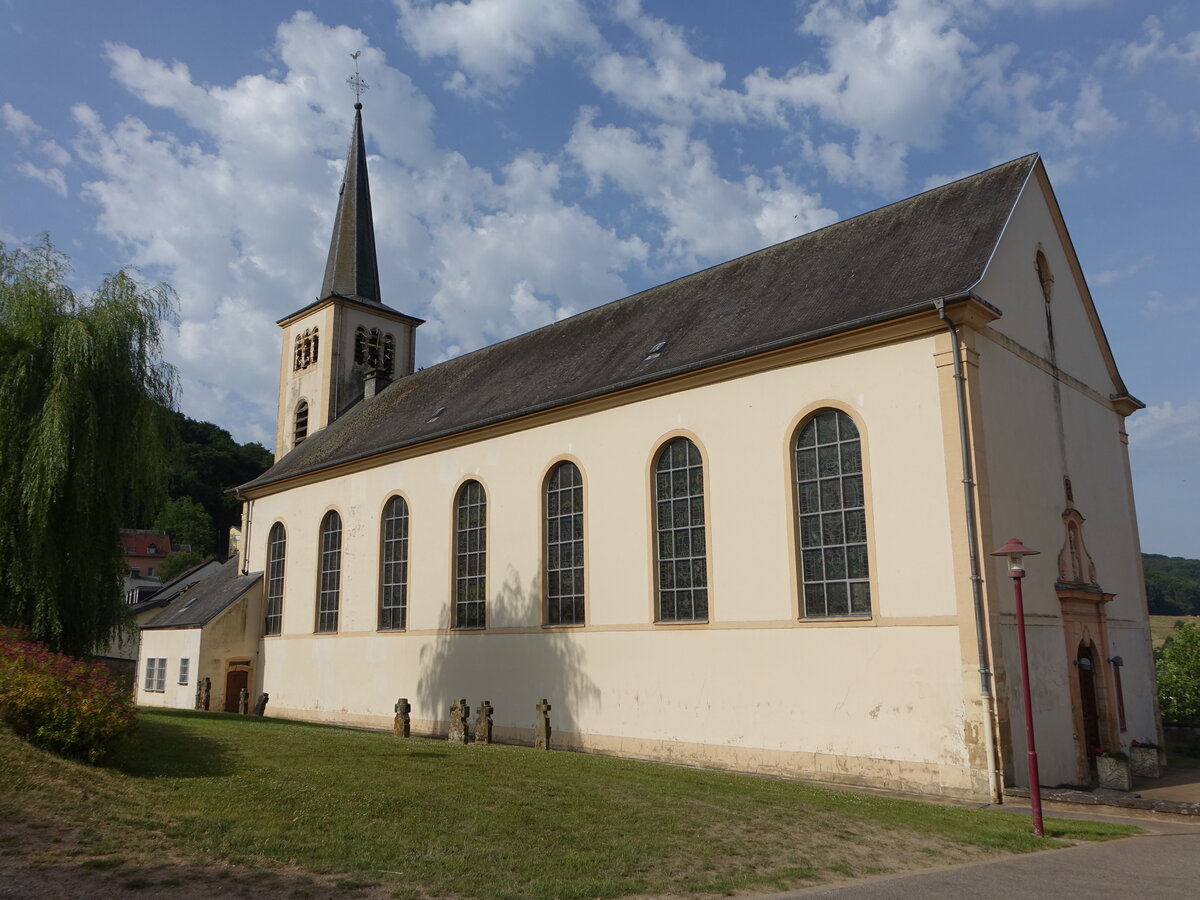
{"type": "Point", "coordinates": [355, 81]}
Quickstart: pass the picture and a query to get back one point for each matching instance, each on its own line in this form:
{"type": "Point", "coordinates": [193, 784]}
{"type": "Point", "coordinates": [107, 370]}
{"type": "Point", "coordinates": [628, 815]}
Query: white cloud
{"type": "Point", "coordinates": [1020, 124]}
{"type": "Point", "coordinates": [1168, 431]}
{"type": "Point", "coordinates": [1156, 49]}
{"type": "Point", "coordinates": [673, 84]}
{"type": "Point", "coordinates": [237, 215]}
{"type": "Point", "coordinates": [18, 123]}
{"type": "Point", "coordinates": [1110, 276]}
{"type": "Point", "coordinates": [53, 178]}
{"type": "Point", "coordinates": [494, 41]}
{"type": "Point", "coordinates": [706, 218]}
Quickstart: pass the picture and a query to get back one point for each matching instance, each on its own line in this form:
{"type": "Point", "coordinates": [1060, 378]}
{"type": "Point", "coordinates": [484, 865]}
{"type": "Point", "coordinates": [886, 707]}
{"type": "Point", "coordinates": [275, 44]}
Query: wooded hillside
{"type": "Point", "coordinates": [1172, 585]}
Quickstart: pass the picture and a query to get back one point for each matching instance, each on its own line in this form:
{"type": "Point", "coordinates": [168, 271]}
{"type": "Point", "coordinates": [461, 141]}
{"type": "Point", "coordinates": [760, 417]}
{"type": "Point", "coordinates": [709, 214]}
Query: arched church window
{"type": "Point", "coordinates": [329, 584]}
{"type": "Point", "coordinates": [393, 599]}
{"type": "Point", "coordinates": [316, 341]}
{"type": "Point", "coordinates": [564, 545]}
{"type": "Point", "coordinates": [276, 555]}
{"type": "Point", "coordinates": [832, 516]}
{"type": "Point", "coordinates": [680, 542]}
{"type": "Point", "coordinates": [298, 356]}
{"type": "Point", "coordinates": [470, 557]}
{"type": "Point", "coordinates": [300, 430]}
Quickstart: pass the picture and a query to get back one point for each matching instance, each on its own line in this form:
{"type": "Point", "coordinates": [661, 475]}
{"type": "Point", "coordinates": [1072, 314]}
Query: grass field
{"type": "Point", "coordinates": [1161, 626]}
{"type": "Point", "coordinates": [424, 818]}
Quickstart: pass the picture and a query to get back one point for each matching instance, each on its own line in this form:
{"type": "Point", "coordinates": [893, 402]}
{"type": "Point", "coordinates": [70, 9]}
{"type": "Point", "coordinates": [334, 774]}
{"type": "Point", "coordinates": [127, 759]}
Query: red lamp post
{"type": "Point", "coordinates": [1015, 551]}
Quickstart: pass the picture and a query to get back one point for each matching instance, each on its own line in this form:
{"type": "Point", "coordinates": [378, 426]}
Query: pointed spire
{"type": "Point", "coordinates": [352, 270]}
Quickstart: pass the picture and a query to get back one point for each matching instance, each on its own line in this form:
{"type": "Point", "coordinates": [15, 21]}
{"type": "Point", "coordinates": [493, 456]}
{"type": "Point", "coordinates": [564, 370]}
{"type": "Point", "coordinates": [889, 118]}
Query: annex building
{"type": "Point", "coordinates": [741, 519]}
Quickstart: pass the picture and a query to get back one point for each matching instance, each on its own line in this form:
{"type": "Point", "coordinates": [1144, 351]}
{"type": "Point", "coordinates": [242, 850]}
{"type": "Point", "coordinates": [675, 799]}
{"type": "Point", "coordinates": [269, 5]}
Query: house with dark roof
{"type": "Point", "coordinates": [744, 519]}
{"type": "Point", "coordinates": [201, 629]}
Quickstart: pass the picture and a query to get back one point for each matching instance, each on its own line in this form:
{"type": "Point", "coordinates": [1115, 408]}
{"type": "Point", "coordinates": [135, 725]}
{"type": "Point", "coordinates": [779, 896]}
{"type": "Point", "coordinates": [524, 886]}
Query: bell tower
{"type": "Point", "coordinates": [331, 346]}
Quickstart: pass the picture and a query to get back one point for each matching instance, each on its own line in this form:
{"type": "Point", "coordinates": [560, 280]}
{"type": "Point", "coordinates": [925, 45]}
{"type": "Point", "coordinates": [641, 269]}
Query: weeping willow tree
{"type": "Point", "coordinates": [83, 441]}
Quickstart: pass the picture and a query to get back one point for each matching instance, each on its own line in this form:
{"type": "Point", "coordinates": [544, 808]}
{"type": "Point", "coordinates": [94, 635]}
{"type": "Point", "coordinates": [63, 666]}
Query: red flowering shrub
{"type": "Point", "coordinates": [59, 702]}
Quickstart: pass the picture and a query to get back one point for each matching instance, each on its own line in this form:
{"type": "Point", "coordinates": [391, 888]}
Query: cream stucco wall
{"type": "Point", "coordinates": [1045, 386]}
{"type": "Point", "coordinates": [173, 645]}
{"type": "Point", "coordinates": [756, 682]}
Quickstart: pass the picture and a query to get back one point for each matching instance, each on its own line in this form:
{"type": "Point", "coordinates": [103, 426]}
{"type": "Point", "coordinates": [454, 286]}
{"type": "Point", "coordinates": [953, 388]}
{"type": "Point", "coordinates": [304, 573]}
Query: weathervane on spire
{"type": "Point", "coordinates": [355, 81]}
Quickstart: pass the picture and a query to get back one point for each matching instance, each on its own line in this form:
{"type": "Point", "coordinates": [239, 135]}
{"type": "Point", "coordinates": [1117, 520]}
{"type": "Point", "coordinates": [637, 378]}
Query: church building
{"type": "Point", "coordinates": [743, 519]}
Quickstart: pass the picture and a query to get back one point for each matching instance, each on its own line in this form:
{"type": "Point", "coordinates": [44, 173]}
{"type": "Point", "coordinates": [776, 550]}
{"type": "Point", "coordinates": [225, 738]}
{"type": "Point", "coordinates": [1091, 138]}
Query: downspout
{"type": "Point", "coordinates": [245, 550]}
{"type": "Point", "coordinates": [968, 482]}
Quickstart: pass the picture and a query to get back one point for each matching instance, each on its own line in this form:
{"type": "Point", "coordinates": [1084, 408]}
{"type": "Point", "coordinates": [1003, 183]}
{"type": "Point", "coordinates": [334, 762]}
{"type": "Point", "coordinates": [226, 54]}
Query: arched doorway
{"type": "Point", "coordinates": [237, 677]}
{"type": "Point", "coordinates": [1085, 665]}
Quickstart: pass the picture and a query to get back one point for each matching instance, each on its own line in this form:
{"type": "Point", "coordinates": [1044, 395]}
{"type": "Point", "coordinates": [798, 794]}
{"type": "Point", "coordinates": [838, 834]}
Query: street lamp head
{"type": "Point", "coordinates": [1015, 551]}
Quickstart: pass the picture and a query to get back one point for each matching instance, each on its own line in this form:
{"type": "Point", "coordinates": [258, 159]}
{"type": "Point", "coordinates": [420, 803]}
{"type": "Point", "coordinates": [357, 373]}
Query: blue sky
{"type": "Point", "coordinates": [533, 158]}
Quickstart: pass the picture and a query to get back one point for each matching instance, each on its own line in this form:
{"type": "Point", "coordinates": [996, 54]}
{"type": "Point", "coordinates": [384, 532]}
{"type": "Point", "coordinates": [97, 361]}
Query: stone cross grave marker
{"type": "Point", "coordinates": [460, 715]}
{"type": "Point", "coordinates": [541, 730]}
{"type": "Point", "coordinates": [243, 701]}
{"type": "Point", "coordinates": [483, 723]}
{"type": "Point", "coordinates": [401, 727]}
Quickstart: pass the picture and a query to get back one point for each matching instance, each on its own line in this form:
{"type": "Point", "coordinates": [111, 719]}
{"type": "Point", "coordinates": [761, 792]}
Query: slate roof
{"type": "Point", "coordinates": [206, 600]}
{"type": "Point", "coordinates": [176, 586]}
{"type": "Point", "coordinates": [352, 268]}
{"type": "Point", "coordinates": [877, 266]}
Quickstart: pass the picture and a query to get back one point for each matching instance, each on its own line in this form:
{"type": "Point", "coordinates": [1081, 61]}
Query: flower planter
{"type": "Point", "coordinates": [1144, 762]}
{"type": "Point", "coordinates": [1114, 773]}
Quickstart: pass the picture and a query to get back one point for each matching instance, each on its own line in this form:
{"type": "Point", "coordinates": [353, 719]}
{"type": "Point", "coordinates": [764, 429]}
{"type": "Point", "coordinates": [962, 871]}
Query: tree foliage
{"type": "Point", "coordinates": [208, 465]}
{"type": "Point", "coordinates": [178, 562]}
{"type": "Point", "coordinates": [84, 440]}
{"type": "Point", "coordinates": [1178, 664]}
{"type": "Point", "coordinates": [1172, 585]}
{"type": "Point", "coordinates": [187, 522]}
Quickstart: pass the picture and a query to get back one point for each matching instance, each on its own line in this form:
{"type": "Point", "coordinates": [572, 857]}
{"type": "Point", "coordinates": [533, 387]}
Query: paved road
{"type": "Point", "coordinates": [1163, 864]}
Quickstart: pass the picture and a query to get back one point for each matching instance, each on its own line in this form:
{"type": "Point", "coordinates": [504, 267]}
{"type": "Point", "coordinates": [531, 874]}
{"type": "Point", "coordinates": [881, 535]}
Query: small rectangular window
{"type": "Point", "coordinates": [183, 670]}
{"type": "Point", "coordinates": [156, 674]}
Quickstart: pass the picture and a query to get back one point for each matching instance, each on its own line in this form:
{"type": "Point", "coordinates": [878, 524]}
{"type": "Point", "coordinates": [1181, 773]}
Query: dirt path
{"type": "Point", "coordinates": [48, 862]}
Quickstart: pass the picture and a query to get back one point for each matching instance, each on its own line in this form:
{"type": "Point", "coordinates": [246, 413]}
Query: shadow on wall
{"type": "Point", "coordinates": [511, 670]}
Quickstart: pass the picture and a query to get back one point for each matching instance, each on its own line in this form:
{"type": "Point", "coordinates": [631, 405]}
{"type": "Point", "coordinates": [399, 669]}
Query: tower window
{"type": "Point", "coordinates": [301, 429]}
{"type": "Point", "coordinates": [307, 348]}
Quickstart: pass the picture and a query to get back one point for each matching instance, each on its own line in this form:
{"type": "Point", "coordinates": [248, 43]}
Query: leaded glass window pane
{"type": "Point", "coordinates": [329, 583]}
{"type": "Point", "coordinates": [832, 527]}
{"type": "Point", "coordinates": [276, 556]}
{"type": "Point", "coordinates": [470, 583]}
{"type": "Point", "coordinates": [393, 588]}
{"type": "Point", "coordinates": [680, 540]}
{"type": "Point", "coordinates": [564, 545]}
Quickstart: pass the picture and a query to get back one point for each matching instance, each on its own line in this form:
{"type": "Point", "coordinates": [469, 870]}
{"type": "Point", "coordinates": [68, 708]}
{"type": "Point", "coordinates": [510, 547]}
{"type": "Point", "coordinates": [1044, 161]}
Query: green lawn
{"type": "Point", "coordinates": [430, 818]}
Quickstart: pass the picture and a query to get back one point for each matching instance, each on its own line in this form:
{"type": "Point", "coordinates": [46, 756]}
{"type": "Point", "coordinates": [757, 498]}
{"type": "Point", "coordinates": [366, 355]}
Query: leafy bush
{"type": "Point", "coordinates": [59, 702]}
{"type": "Point", "coordinates": [1178, 664]}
